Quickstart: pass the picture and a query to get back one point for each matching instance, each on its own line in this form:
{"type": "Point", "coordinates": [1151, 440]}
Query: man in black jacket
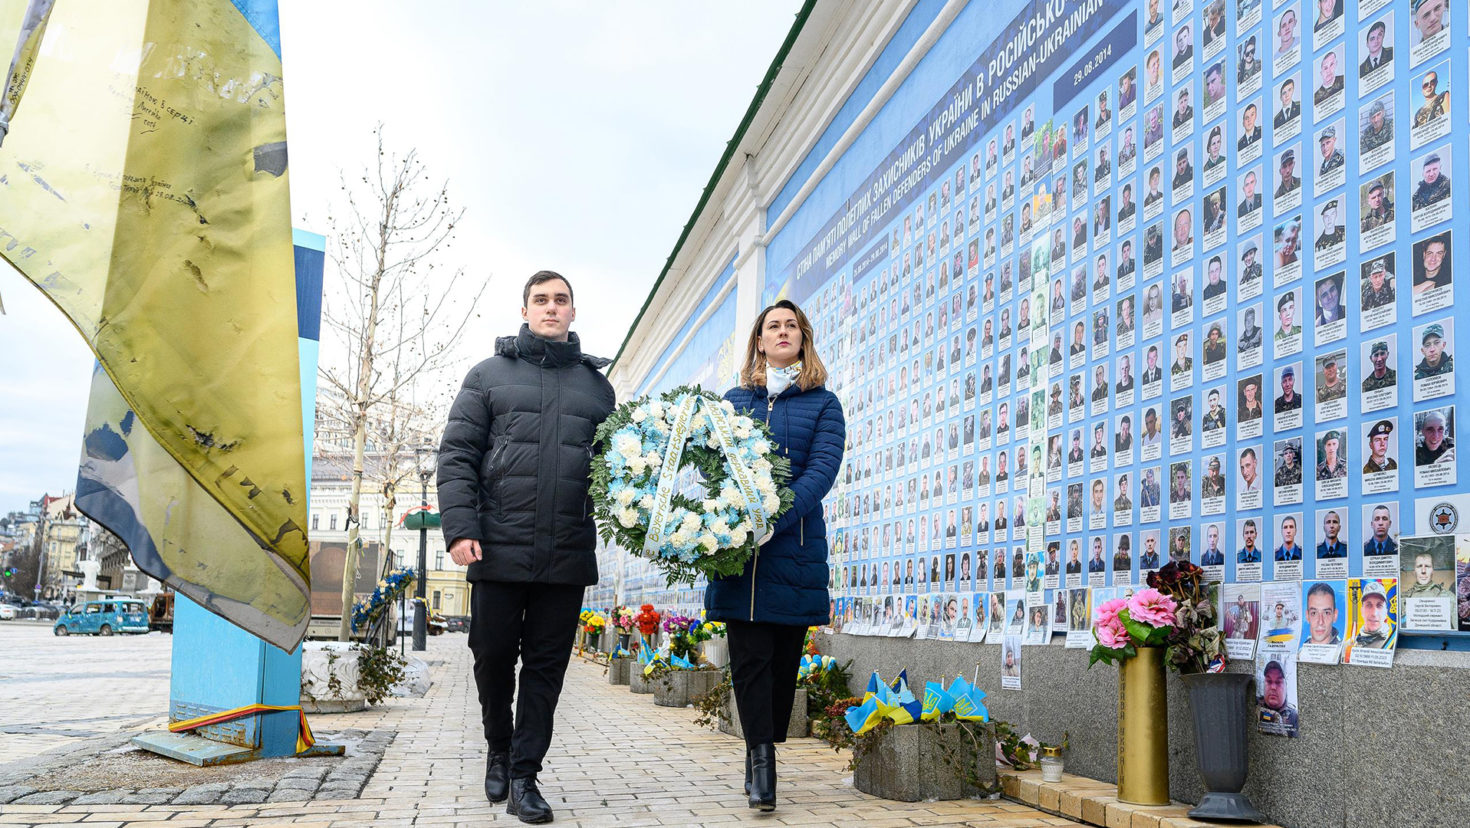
{"type": "Point", "coordinates": [513, 479]}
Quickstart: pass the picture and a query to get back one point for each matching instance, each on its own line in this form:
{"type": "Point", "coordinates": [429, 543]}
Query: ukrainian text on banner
{"type": "Point", "coordinates": [146, 195]}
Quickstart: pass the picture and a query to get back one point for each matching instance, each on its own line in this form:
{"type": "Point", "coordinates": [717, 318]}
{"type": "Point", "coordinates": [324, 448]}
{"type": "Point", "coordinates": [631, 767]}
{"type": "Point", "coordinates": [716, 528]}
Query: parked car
{"type": "Point", "coordinates": [105, 617]}
{"type": "Point", "coordinates": [7, 612]}
{"type": "Point", "coordinates": [458, 623]}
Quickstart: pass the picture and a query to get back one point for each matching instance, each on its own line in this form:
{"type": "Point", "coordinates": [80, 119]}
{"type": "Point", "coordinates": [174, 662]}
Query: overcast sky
{"type": "Point", "coordinates": [576, 135]}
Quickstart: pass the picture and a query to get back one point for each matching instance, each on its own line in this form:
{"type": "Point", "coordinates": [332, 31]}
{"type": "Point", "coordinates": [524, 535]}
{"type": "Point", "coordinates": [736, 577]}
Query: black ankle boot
{"type": "Point", "coordinates": [496, 771]}
{"type": "Point", "coordinates": [747, 771]}
{"type": "Point", "coordinates": [763, 777]}
{"type": "Point", "coordinates": [526, 802]}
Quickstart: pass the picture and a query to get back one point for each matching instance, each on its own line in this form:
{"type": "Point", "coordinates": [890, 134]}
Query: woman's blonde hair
{"type": "Point", "coordinates": [813, 372]}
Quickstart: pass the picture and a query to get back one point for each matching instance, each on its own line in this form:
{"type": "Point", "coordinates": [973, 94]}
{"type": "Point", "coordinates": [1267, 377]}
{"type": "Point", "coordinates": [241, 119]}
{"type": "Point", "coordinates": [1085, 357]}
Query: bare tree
{"type": "Point", "coordinates": [393, 316]}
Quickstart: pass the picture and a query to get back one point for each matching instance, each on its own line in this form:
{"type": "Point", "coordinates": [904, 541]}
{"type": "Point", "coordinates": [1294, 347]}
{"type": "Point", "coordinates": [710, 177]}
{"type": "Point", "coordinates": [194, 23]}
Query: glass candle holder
{"type": "Point", "coordinates": [1051, 764]}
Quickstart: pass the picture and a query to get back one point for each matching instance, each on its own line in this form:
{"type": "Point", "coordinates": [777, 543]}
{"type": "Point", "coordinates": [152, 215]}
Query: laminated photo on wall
{"type": "Point", "coordinates": [1287, 471]}
{"type": "Point", "coordinates": [1287, 194]}
{"type": "Point", "coordinates": [1122, 559]}
{"type": "Point", "coordinates": [1153, 133]}
{"type": "Point", "coordinates": [1286, 122]}
{"type": "Point", "coordinates": [1249, 406]}
{"type": "Point", "coordinates": [1432, 111]}
{"type": "Point", "coordinates": [1180, 544]}
{"type": "Point", "coordinates": [1249, 560]}
{"type": "Point", "coordinates": [1215, 94]}
{"type": "Point", "coordinates": [1328, 22]}
{"type": "Point", "coordinates": [1248, 485]}
{"type": "Point", "coordinates": [1430, 203]}
{"type": "Point", "coordinates": [1149, 556]}
{"type": "Point", "coordinates": [1288, 556]}
{"type": "Point", "coordinates": [1328, 90]}
{"type": "Point", "coordinates": [1181, 501]}
{"type": "Point", "coordinates": [1181, 425]}
{"type": "Point", "coordinates": [1276, 710]}
{"type": "Point", "coordinates": [1331, 382]}
{"type": "Point", "coordinates": [1038, 621]}
{"type": "Point", "coordinates": [1010, 670]}
{"type": "Point", "coordinates": [1429, 33]}
{"type": "Point", "coordinates": [1098, 505]}
{"type": "Point", "coordinates": [1287, 404]}
{"type": "Point", "coordinates": [1072, 569]}
{"type": "Point", "coordinates": [1434, 447]}
{"type": "Point", "coordinates": [1427, 582]}
{"type": "Point", "coordinates": [1212, 486]}
{"type": "Point", "coordinates": [1213, 214]}
{"type": "Point", "coordinates": [1375, 50]}
{"type": "Point", "coordinates": [1325, 603]}
{"type": "Point", "coordinates": [1332, 549]}
{"type": "Point", "coordinates": [1240, 617]}
{"type": "Point", "coordinates": [1126, 331]}
{"type": "Point", "coordinates": [1181, 61]}
{"type": "Point", "coordinates": [1153, 324]}
{"type": "Point", "coordinates": [1434, 372]}
{"type": "Point", "coordinates": [1332, 465]}
{"type": "Point", "coordinates": [1329, 239]}
{"type": "Point", "coordinates": [1149, 496]}
{"type": "Point", "coordinates": [1249, 342]}
{"type": "Point", "coordinates": [1376, 133]}
{"type": "Point", "coordinates": [1214, 419]}
{"type": "Point", "coordinates": [1212, 555]}
{"type": "Point", "coordinates": [1380, 546]}
{"type": "Point", "coordinates": [1122, 501]}
{"type": "Point", "coordinates": [1286, 49]}
{"type": "Point", "coordinates": [1378, 292]}
{"type": "Point", "coordinates": [1281, 614]}
{"type": "Point", "coordinates": [1151, 438]}
{"type": "Point", "coordinates": [1097, 563]}
{"type": "Point", "coordinates": [1181, 367]}
{"type": "Point", "coordinates": [1248, 145]}
{"type": "Point", "coordinates": [1462, 580]}
{"type": "Point", "coordinates": [1128, 94]}
{"type": "Point", "coordinates": [1330, 159]}
{"type": "Point", "coordinates": [1181, 248]}
{"type": "Point", "coordinates": [1373, 621]}
{"type": "Point", "coordinates": [1079, 618]}
{"type": "Point", "coordinates": [1286, 251]}
{"type": "Point", "coordinates": [1216, 287]}
{"type": "Point", "coordinates": [1216, 153]}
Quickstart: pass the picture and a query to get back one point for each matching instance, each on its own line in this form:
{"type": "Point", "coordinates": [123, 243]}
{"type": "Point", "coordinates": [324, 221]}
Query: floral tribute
{"type": "Point", "coordinates": [648, 444]}
{"type": "Point", "coordinates": [1176, 611]}
{"type": "Point", "coordinates": [685, 636]}
{"type": "Point", "coordinates": [393, 587]}
{"type": "Point", "coordinates": [593, 623]}
{"type": "Point", "coordinates": [623, 619]}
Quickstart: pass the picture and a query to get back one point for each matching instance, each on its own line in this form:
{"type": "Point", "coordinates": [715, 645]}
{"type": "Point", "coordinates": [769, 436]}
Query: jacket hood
{"type": "Point", "coordinates": [545, 352]}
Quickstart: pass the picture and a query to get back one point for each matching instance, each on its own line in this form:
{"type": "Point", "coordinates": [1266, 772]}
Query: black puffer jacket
{"type": "Point", "coordinates": [514, 462]}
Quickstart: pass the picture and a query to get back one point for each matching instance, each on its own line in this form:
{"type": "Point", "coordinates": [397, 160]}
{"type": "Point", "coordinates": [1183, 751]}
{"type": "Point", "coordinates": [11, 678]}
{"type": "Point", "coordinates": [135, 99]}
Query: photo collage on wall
{"type": "Point", "coordinates": [1203, 311]}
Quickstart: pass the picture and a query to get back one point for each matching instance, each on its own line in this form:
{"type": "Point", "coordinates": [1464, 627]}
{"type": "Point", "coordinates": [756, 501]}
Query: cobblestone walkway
{"type": "Point", "coordinates": [617, 759]}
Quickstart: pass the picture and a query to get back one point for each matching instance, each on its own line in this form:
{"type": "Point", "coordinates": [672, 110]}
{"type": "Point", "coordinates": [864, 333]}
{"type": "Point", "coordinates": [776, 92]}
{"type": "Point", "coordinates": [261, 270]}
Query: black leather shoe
{"type": "Point", "coordinates": [526, 802]}
{"type": "Point", "coordinates": [747, 771]}
{"type": "Point", "coordinates": [497, 769]}
{"type": "Point", "coordinates": [763, 777]}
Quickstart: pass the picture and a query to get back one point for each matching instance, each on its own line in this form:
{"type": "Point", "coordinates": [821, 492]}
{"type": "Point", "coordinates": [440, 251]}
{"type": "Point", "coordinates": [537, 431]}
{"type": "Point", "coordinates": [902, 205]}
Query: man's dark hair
{"type": "Point", "coordinates": [1323, 589]}
{"type": "Point", "coordinates": [544, 276]}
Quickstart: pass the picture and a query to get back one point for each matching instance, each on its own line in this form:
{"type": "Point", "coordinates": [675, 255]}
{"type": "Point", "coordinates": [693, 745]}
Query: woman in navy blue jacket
{"type": "Point", "coordinates": [768, 607]}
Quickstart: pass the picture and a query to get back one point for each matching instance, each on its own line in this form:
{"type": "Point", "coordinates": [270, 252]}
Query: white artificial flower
{"type": "Point", "coordinates": [690, 522]}
{"type": "Point", "coordinates": [710, 543]}
{"type": "Point", "coordinates": [765, 485]}
{"type": "Point", "coordinates": [762, 466]}
{"type": "Point", "coordinates": [637, 464]}
{"type": "Point", "coordinates": [771, 503]}
{"type": "Point", "coordinates": [629, 446]}
{"type": "Point", "coordinates": [653, 459]}
{"type": "Point", "coordinates": [625, 497]}
{"type": "Point", "coordinates": [761, 447]}
{"type": "Point", "coordinates": [741, 432]}
{"type": "Point", "coordinates": [639, 415]}
{"type": "Point", "coordinates": [656, 408]}
{"type": "Point", "coordinates": [741, 530]}
{"type": "Point", "coordinates": [710, 505]}
{"type": "Point", "coordinates": [628, 518]}
{"type": "Point", "coordinates": [728, 406]}
{"type": "Point", "coordinates": [646, 502]}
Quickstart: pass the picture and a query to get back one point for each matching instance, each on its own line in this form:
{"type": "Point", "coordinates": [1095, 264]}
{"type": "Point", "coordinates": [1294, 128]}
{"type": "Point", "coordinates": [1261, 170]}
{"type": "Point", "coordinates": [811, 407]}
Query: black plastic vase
{"type": "Point", "coordinates": [1219, 702]}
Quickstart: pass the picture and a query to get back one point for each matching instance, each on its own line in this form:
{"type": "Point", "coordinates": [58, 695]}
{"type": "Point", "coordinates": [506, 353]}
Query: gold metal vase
{"type": "Point", "coordinates": [1143, 729]}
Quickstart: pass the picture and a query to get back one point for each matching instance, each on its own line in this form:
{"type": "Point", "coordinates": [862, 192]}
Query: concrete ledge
{"type": "Point", "coordinates": [618, 671]}
{"type": "Point", "coordinates": [1091, 802]}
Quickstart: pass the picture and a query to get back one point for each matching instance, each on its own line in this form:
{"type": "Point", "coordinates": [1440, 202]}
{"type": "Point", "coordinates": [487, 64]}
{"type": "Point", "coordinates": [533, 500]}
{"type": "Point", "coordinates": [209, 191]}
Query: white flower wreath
{"type": "Point", "coordinates": [637, 495]}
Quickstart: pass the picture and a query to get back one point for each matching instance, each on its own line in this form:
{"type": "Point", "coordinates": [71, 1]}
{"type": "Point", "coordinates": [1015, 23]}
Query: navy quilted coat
{"type": "Point", "coordinates": [786, 581]}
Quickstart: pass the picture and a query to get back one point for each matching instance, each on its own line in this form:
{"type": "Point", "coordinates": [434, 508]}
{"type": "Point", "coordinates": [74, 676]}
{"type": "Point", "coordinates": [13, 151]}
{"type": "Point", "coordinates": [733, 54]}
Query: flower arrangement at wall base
{"type": "Point", "coordinates": [592, 626]}
{"type": "Point", "coordinates": [623, 620]}
{"type": "Point", "coordinates": [642, 506]}
{"type": "Point", "coordinates": [905, 749]}
{"type": "Point", "coordinates": [685, 634]}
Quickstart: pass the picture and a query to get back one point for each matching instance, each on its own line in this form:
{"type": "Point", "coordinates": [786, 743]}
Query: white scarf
{"type": "Point", "coordinates": [779, 379]}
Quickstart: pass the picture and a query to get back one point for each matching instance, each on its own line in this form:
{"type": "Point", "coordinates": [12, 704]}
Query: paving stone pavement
{"type": "Point", "coordinates": [617, 759]}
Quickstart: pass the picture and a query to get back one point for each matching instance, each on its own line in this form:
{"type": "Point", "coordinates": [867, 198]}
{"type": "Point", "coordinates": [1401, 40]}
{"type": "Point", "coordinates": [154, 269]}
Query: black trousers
{"type": "Point", "coordinates": [764, 659]}
{"type": "Point", "coordinates": [535, 623]}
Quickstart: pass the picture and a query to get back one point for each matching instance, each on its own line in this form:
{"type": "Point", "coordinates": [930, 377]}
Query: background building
{"type": "Point", "coordinates": [1139, 210]}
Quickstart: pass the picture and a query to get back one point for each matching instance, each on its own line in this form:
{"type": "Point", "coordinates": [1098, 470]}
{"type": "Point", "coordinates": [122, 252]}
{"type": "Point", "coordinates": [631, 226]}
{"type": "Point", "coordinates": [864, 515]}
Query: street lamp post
{"type": "Point", "coordinates": [420, 605]}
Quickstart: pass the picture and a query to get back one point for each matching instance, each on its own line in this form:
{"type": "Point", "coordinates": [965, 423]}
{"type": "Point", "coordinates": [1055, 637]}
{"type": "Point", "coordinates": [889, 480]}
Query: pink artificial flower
{"type": "Point", "coordinates": [1151, 607]}
{"type": "Point", "coordinates": [1107, 612]}
{"type": "Point", "coordinates": [1111, 634]}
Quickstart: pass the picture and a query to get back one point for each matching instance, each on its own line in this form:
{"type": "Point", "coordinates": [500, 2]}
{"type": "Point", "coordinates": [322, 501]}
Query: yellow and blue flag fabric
{"type": "Point", "coordinates": [875, 683]}
{"type": "Point", "coordinates": [145, 192]}
{"type": "Point", "coordinates": [937, 701]}
{"type": "Point", "coordinates": [902, 681]}
{"type": "Point", "coordinates": [680, 663]}
{"type": "Point", "coordinates": [967, 701]}
{"type": "Point", "coordinates": [906, 708]}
